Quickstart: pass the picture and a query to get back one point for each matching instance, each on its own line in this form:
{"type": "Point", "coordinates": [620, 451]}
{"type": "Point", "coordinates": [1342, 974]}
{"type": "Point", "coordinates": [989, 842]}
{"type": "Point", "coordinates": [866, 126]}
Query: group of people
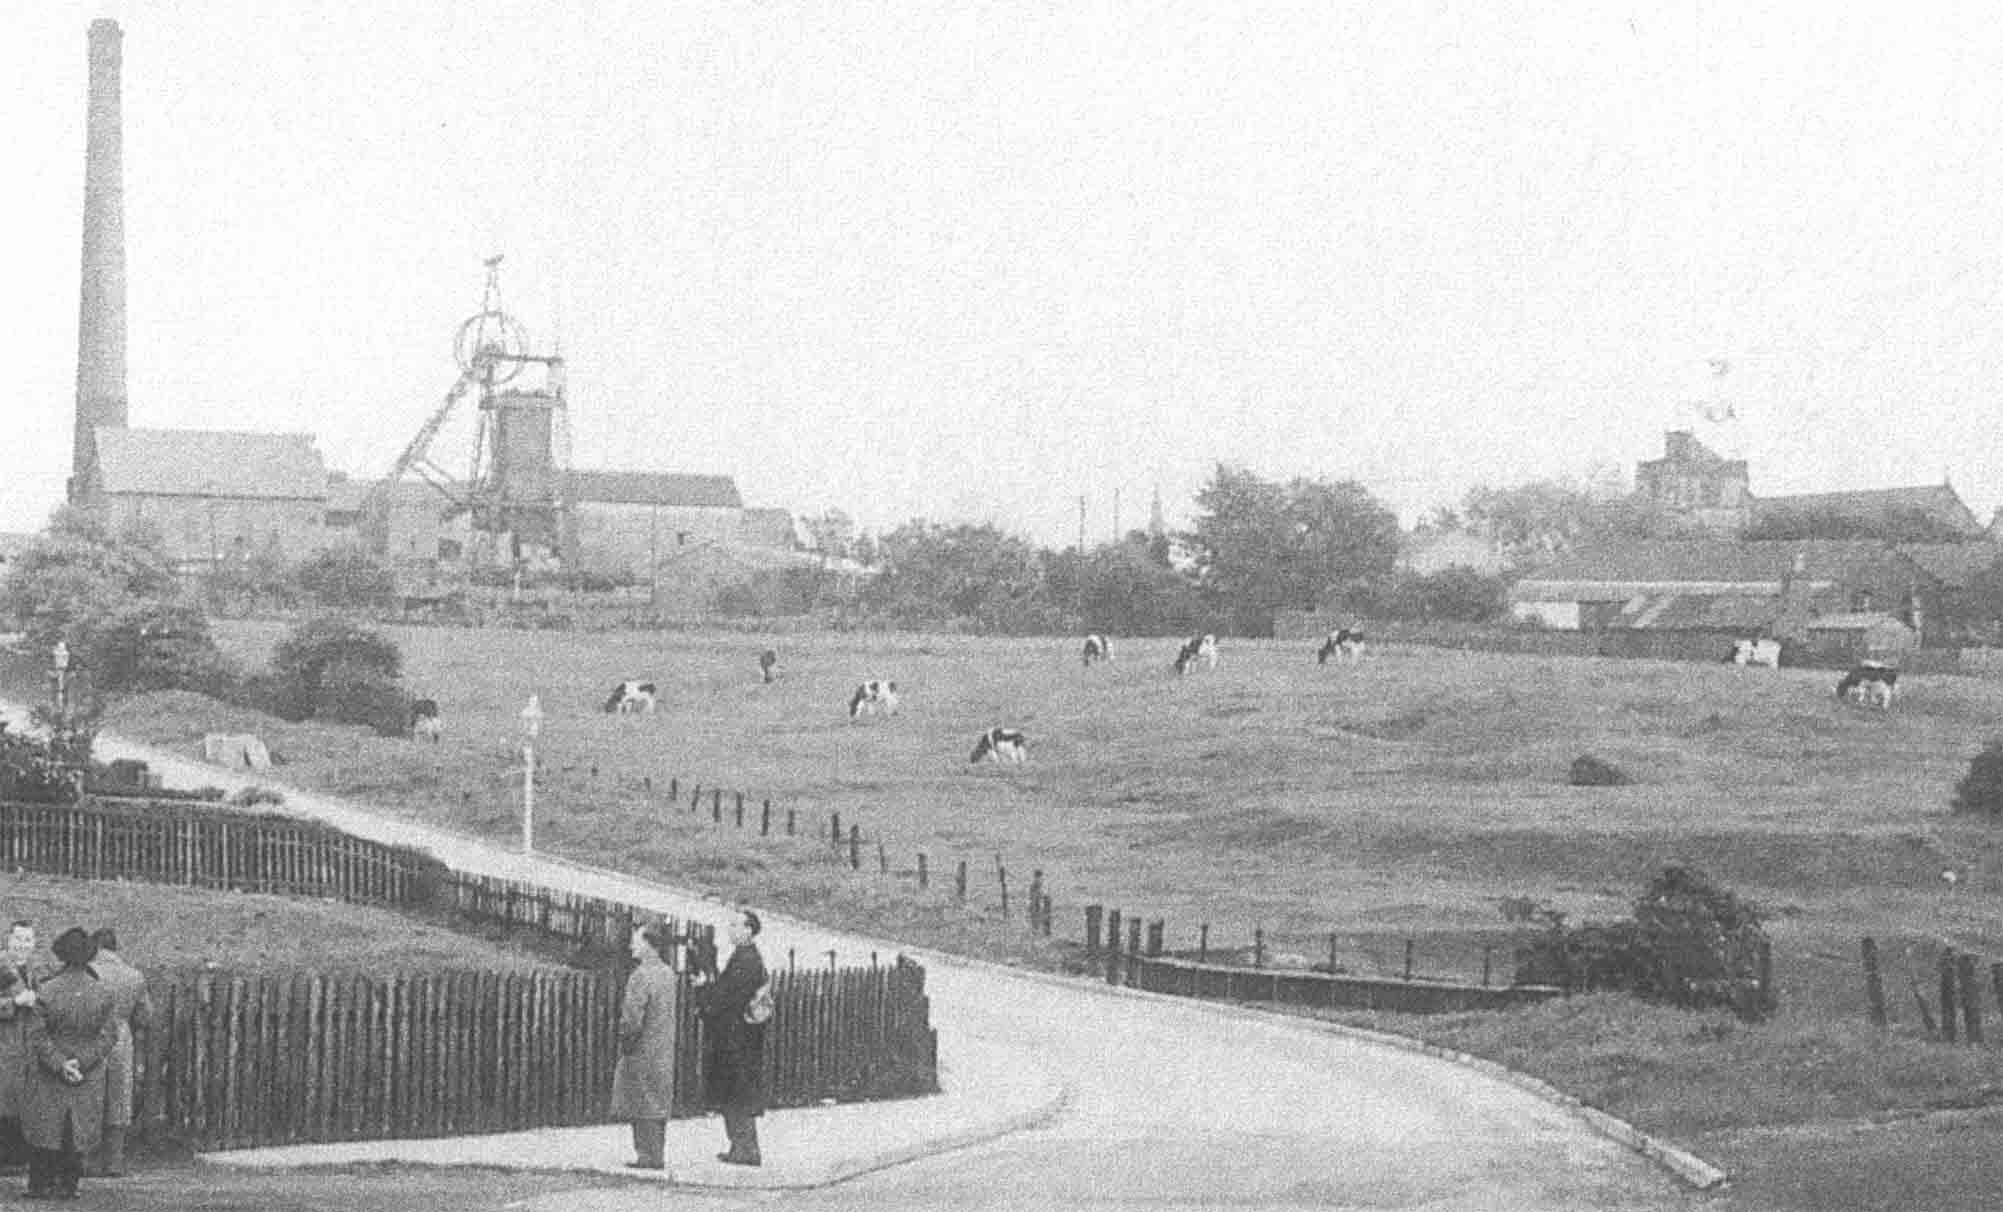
{"type": "Point", "coordinates": [735, 1002]}
{"type": "Point", "coordinates": [67, 1056]}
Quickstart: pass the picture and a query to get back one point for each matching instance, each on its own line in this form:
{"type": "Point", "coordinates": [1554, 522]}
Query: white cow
{"type": "Point", "coordinates": [1097, 648]}
{"type": "Point", "coordinates": [1199, 648]}
{"type": "Point", "coordinates": [874, 696]}
{"type": "Point", "coordinates": [425, 722]}
{"type": "Point", "coordinates": [1757, 652]}
{"type": "Point", "coordinates": [633, 698]}
{"type": "Point", "coordinates": [1870, 684]}
{"type": "Point", "coordinates": [1344, 644]}
{"type": "Point", "coordinates": [1000, 745]}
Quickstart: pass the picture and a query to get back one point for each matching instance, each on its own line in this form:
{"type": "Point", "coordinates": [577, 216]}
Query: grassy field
{"type": "Point", "coordinates": [1403, 797]}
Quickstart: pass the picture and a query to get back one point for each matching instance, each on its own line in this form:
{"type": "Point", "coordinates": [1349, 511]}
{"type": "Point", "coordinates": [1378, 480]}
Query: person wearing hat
{"type": "Point", "coordinates": [18, 977]}
{"type": "Point", "coordinates": [134, 1015]}
{"type": "Point", "coordinates": [735, 1006]}
{"type": "Point", "coordinates": [643, 1084]}
{"type": "Point", "coordinates": [68, 1043]}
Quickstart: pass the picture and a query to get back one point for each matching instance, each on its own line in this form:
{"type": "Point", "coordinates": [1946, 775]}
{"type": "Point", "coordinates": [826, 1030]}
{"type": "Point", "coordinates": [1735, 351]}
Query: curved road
{"type": "Point", "coordinates": [1172, 1103]}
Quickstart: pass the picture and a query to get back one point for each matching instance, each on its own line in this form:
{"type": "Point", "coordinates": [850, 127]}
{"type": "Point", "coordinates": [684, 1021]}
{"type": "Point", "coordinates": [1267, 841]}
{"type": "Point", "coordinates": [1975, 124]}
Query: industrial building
{"type": "Point", "coordinates": [215, 496]}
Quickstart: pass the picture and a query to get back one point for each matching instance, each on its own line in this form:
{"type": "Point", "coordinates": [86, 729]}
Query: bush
{"type": "Point", "coordinates": [1980, 791]}
{"type": "Point", "coordinates": [148, 646]}
{"type": "Point", "coordinates": [1589, 771]}
{"type": "Point", "coordinates": [31, 770]}
{"type": "Point", "coordinates": [317, 645]}
{"type": "Point", "coordinates": [359, 694]}
{"type": "Point", "coordinates": [1690, 943]}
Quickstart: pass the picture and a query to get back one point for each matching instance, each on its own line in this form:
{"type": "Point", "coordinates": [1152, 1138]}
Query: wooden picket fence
{"type": "Point", "coordinates": [241, 1060]}
{"type": "Point", "coordinates": [210, 846]}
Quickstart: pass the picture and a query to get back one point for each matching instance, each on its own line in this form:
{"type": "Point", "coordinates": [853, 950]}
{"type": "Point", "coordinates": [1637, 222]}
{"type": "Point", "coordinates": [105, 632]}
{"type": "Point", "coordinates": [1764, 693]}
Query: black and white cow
{"type": "Point", "coordinates": [1869, 683]}
{"type": "Point", "coordinates": [1344, 644]}
{"type": "Point", "coordinates": [633, 698]}
{"type": "Point", "coordinates": [768, 660]}
{"type": "Point", "coordinates": [1199, 648]}
{"type": "Point", "coordinates": [1097, 648]}
{"type": "Point", "coordinates": [425, 722]}
{"type": "Point", "coordinates": [1764, 653]}
{"type": "Point", "coordinates": [875, 696]}
{"type": "Point", "coordinates": [1000, 745]}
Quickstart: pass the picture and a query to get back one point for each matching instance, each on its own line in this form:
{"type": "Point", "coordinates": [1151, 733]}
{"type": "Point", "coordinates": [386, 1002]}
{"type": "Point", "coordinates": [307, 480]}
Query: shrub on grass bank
{"type": "Point", "coordinates": [315, 646]}
{"type": "Point", "coordinates": [1980, 791]}
{"type": "Point", "coordinates": [1690, 943]}
{"type": "Point", "coordinates": [355, 694]}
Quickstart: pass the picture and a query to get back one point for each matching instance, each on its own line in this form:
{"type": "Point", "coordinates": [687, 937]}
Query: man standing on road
{"type": "Point", "coordinates": [643, 1084]}
{"type": "Point", "coordinates": [135, 1016]}
{"type": "Point", "coordinates": [735, 1007]}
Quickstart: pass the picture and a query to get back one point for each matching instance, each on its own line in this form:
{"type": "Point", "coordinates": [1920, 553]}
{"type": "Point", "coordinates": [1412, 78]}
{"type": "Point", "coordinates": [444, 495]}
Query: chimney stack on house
{"type": "Point", "coordinates": [100, 398]}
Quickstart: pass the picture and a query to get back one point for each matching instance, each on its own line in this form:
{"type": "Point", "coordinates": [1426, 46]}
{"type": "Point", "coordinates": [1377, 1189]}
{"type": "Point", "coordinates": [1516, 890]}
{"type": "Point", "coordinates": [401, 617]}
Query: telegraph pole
{"type": "Point", "coordinates": [1081, 525]}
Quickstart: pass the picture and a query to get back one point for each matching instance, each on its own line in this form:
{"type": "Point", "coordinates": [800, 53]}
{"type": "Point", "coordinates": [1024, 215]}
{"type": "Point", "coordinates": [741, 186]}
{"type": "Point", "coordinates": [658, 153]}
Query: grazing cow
{"type": "Point", "coordinates": [1000, 745]}
{"type": "Point", "coordinates": [1869, 683]}
{"type": "Point", "coordinates": [1097, 648]}
{"type": "Point", "coordinates": [1756, 652]}
{"type": "Point", "coordinates": [1344, 644]}
{"type": "Point", "coordinates": [425, 722]}
{"type": "Point", "coordinates": [768, 660]}
{"type": "Point", "coordinates": [873, 696]}
{"type": "Point", "coordinates": [1199, 648]}
{"type": "Point", "coordinates": [633, 698]}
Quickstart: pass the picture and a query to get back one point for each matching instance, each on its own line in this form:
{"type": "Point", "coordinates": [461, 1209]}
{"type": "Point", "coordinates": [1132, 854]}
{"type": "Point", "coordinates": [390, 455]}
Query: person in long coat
{"type": "Point", "coordinates": [18, 978]}
{"type": "Point", "coordinates": [736, 1073]}
{"type": "Point", "coordinates": [69, 1041]}
{"type": "Point", "coordinates": [643, 1084]}
{"type": "Point", "coordinates": [135, 1015]}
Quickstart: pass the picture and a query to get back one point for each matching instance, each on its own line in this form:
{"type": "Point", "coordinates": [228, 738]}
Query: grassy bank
{"type": "Point", "coordinates": [1406, 797]}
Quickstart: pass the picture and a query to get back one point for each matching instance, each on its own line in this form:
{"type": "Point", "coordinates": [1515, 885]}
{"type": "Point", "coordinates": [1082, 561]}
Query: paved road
{"type": "Point", "coordinates": [1172, 1103]}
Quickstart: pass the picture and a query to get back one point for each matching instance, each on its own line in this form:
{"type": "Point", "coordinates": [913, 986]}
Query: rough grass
{"type": "Point", "coordinates": [161, 926]}
{"type": "Point", "coordinates": [1407, 796]}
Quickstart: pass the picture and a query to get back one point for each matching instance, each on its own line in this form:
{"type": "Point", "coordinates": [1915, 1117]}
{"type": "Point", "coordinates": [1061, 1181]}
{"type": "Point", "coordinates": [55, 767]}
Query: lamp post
{"type": "Point", "coordinates": [531, 729]}
{"type": "Point", "coordinates": [59, 677]}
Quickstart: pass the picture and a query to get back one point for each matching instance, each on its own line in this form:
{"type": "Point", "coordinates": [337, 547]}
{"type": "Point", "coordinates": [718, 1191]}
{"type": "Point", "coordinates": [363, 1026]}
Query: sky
{"type": "Point", "coordinates": [976, 261]}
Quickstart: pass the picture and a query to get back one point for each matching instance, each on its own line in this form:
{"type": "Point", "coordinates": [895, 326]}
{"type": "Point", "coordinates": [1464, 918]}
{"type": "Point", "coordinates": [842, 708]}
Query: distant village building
{"type": "Point", "coordinates": [1692, 492]}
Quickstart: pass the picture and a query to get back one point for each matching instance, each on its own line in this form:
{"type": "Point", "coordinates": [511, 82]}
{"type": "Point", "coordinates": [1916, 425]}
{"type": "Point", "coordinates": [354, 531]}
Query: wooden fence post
{"type": "Point", "coordinates": [1001, 876]}
{"type": "Point", "coordinates": [835, 830]}
{"type": "Point", "coordinates": [1487, 964]}
{"type": "Point", "coordinates": [882, 857]}
{"type": "Point", "coordinates": [1874, 985]}
{"type": "Point", "coordinates": [1155, 929]}
{"type": "Point", "coordinates": [1996, 983]}
{"type": "Point", "coordinates": [740, 810]}
{"type": "Point", "coordinates": [674, 789]}
{"type": "Point", "coordinates": [1919, 999]}
{"type": "Point", "coordinates": [765, 820]}
{"type": "Point", "coordinates": [855, 847]}
{"type": "Point", "coordinates": [1971, 998]}
{"type": "Point", "coordinates": [960, 882]}
{"type": "Point", "coordinates": [1203, 944]}
{"type": "Point", "coordinates": [1408, 959]}
{"type": "Point", "coordinates": [1947, 997]}
{"type": "Point", "coordinates": [1112, 946]}
{"type": "Point", "coordinates": [922, 877]}
{"type": "Point", "coordinates": [1258, 946]}
{"type": "Point", "coordinates": [1049, 911]}
{"type": "Point", "coordinates": [716, 805]}
{"type": "Point", "coordinates": [1133, 949]}
{"type": "Point", "coordinates": [1092, 916]}
{"type": "Point", "coordinates": [1035, 897]}
{"type": "Point", "coordinates": [695, 798]}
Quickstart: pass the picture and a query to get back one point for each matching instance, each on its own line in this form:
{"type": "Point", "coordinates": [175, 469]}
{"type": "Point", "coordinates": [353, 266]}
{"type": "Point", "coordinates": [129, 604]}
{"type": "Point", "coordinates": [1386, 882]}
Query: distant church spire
{"type": "Point", "coordinates": [1157, 527]}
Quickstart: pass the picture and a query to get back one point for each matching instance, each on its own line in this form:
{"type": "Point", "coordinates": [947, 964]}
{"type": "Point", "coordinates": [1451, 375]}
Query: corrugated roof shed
{"type": "Point", "coordinates": [1699, 612]}
{"type": "Point", "coordinates": [664, 488]}
{"type": "Point", "coordinates": [209, 463]}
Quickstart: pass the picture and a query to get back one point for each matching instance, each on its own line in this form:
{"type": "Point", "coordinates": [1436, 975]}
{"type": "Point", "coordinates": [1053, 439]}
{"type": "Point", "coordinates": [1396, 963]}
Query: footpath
{"type": "Point", "coordinates": [1077, 1059]}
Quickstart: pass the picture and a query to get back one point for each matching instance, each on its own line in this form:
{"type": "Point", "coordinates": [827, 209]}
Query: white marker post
{"type": "Point", "coordinates": [531, 729]}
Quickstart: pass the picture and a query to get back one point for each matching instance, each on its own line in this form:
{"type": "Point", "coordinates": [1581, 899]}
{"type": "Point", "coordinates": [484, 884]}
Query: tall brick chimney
{"type": "Point", "coordinates": [101, 310]}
